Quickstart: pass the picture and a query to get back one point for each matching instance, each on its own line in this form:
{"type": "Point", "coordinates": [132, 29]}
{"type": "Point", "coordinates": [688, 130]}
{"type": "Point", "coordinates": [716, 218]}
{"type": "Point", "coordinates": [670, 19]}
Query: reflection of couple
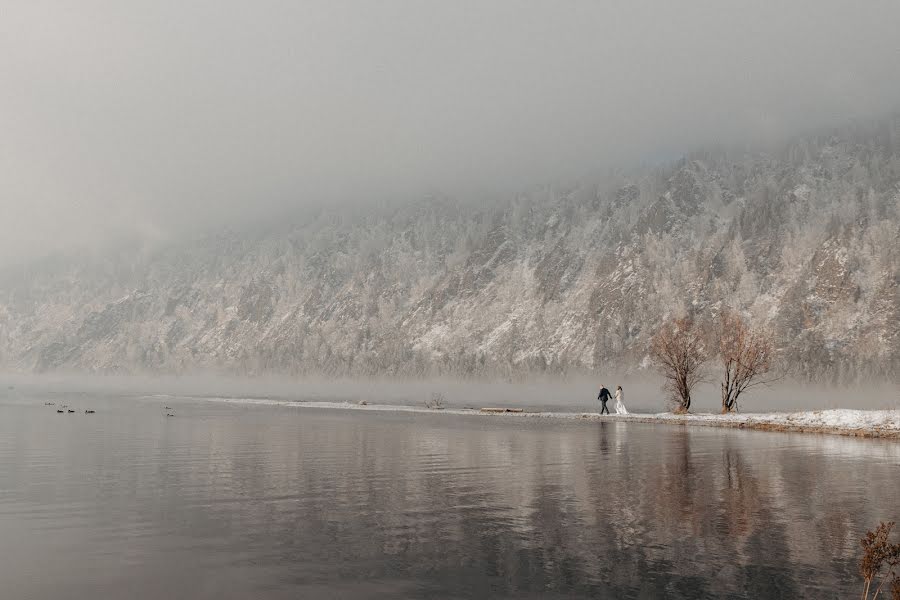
{"type": "Point", "coordinates": [604, 397]}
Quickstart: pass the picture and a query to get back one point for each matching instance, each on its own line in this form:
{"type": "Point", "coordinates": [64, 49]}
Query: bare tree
{"type": "Point", "coordinates": [436, 401]}
{"type": "Point", "coordinates": [679, 352]}
{"type": "Point", "coordinates": [745, 353]}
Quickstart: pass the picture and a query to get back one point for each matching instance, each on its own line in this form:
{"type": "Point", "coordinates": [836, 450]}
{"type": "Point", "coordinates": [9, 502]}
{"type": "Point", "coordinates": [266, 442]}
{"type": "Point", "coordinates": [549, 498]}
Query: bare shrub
{"type": "Point", "coordinates": [746, 355]}
{"type": "Point", "coordinates": [679, 352]}
{"type": "Point", "coordinates": [879, 562]}
{"type": "Point", "coordinates": [436, 401]}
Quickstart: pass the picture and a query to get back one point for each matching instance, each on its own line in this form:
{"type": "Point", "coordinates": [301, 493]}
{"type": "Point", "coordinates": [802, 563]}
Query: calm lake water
{"type": "Point", "coordinates": [231, 501]}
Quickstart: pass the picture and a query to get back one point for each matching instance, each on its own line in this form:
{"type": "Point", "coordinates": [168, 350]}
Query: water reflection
{"type": "Point", "coordinates": [231, 503]}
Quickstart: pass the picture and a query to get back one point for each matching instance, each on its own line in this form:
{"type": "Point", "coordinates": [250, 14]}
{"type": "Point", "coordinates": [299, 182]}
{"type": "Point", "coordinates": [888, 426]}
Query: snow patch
{"type": "Point", "coordinates": [840, 421]}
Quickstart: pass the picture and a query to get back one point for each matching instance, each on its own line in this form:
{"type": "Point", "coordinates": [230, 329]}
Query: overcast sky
{"type": "Point", "coordinates": [143, 118]}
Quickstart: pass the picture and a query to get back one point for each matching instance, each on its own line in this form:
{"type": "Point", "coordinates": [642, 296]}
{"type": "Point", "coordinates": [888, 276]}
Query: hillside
{"type": "Point", "coordinates": [805, 240]}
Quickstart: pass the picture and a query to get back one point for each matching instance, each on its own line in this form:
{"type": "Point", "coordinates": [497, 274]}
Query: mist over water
{"type": "Point", "coordinates": [571, 394]}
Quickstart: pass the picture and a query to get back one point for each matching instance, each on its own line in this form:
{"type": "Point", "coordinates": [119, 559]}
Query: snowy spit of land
{"type": "Point", "coordinates": [860, 423]}
{"type": "Point", "coordinates": [841, 421]}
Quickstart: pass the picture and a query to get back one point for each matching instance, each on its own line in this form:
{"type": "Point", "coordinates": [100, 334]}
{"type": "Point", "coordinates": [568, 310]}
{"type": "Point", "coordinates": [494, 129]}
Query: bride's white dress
{"type": "Point", "coordinates": [620, 404]}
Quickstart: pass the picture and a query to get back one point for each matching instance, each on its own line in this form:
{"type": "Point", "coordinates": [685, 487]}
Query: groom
{"type": "Point", "coordinates": [603, 397]}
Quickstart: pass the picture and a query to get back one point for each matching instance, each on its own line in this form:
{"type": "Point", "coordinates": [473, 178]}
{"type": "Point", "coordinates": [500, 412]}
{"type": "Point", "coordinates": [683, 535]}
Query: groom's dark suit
{"type": "Point", "coordinates": [603, 397]}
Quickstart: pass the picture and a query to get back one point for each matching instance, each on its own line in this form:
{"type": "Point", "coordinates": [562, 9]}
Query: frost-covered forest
{"type": "Point", "coordinates": [804, 239]}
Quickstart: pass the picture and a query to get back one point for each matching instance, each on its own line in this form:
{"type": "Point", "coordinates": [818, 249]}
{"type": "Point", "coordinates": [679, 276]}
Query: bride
{"type": "Point", "coordinates": [620, 401]}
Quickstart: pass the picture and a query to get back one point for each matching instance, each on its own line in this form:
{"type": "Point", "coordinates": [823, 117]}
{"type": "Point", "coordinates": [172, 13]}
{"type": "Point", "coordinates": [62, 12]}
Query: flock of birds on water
{"type": "Point", "coordinates": [65, 409]}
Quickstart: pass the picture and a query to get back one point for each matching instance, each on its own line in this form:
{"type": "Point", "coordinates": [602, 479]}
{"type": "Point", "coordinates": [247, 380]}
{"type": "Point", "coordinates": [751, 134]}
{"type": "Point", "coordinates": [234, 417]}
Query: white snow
{"type": "Point", "coordinates": [881, 423]}
{"type": "Point", "coordinates": [840, 420]}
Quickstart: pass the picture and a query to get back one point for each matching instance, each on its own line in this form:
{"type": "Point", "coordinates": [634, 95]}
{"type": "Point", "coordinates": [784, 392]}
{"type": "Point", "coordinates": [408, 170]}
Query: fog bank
{"type": "Point", "coordinates": [139, 120]}
{"type": "Point", "coordinates": [642, 394]}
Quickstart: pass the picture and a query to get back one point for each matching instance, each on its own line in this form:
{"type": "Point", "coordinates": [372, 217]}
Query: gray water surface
{"type": "Point", "coordinates": [230, 501]}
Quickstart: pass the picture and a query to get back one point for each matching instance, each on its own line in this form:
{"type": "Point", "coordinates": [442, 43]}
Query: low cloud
{"type": "Point", "coordinates": [123, 119]}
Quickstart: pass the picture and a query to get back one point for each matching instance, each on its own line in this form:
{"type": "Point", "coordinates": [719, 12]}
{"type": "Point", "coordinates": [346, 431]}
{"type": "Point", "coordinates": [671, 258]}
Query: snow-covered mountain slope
{"type": "Point", "coordinates": [805, 240]}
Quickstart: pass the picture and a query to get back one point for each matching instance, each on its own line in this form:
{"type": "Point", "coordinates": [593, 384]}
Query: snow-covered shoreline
{"type": "Point", "coordinates": [857, 423]}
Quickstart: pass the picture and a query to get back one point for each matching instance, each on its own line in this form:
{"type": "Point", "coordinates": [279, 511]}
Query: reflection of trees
{"type": "Point", "coordinates": [753, 537]}
{"type": "Point", "coordinates": [466, 508]}
{"type": "Point", "coordinates": [740, 495]}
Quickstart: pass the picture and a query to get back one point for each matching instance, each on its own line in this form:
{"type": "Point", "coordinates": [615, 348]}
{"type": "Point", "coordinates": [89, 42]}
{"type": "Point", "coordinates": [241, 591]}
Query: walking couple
{"type": "Point", "coordinates": [604, 396]}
